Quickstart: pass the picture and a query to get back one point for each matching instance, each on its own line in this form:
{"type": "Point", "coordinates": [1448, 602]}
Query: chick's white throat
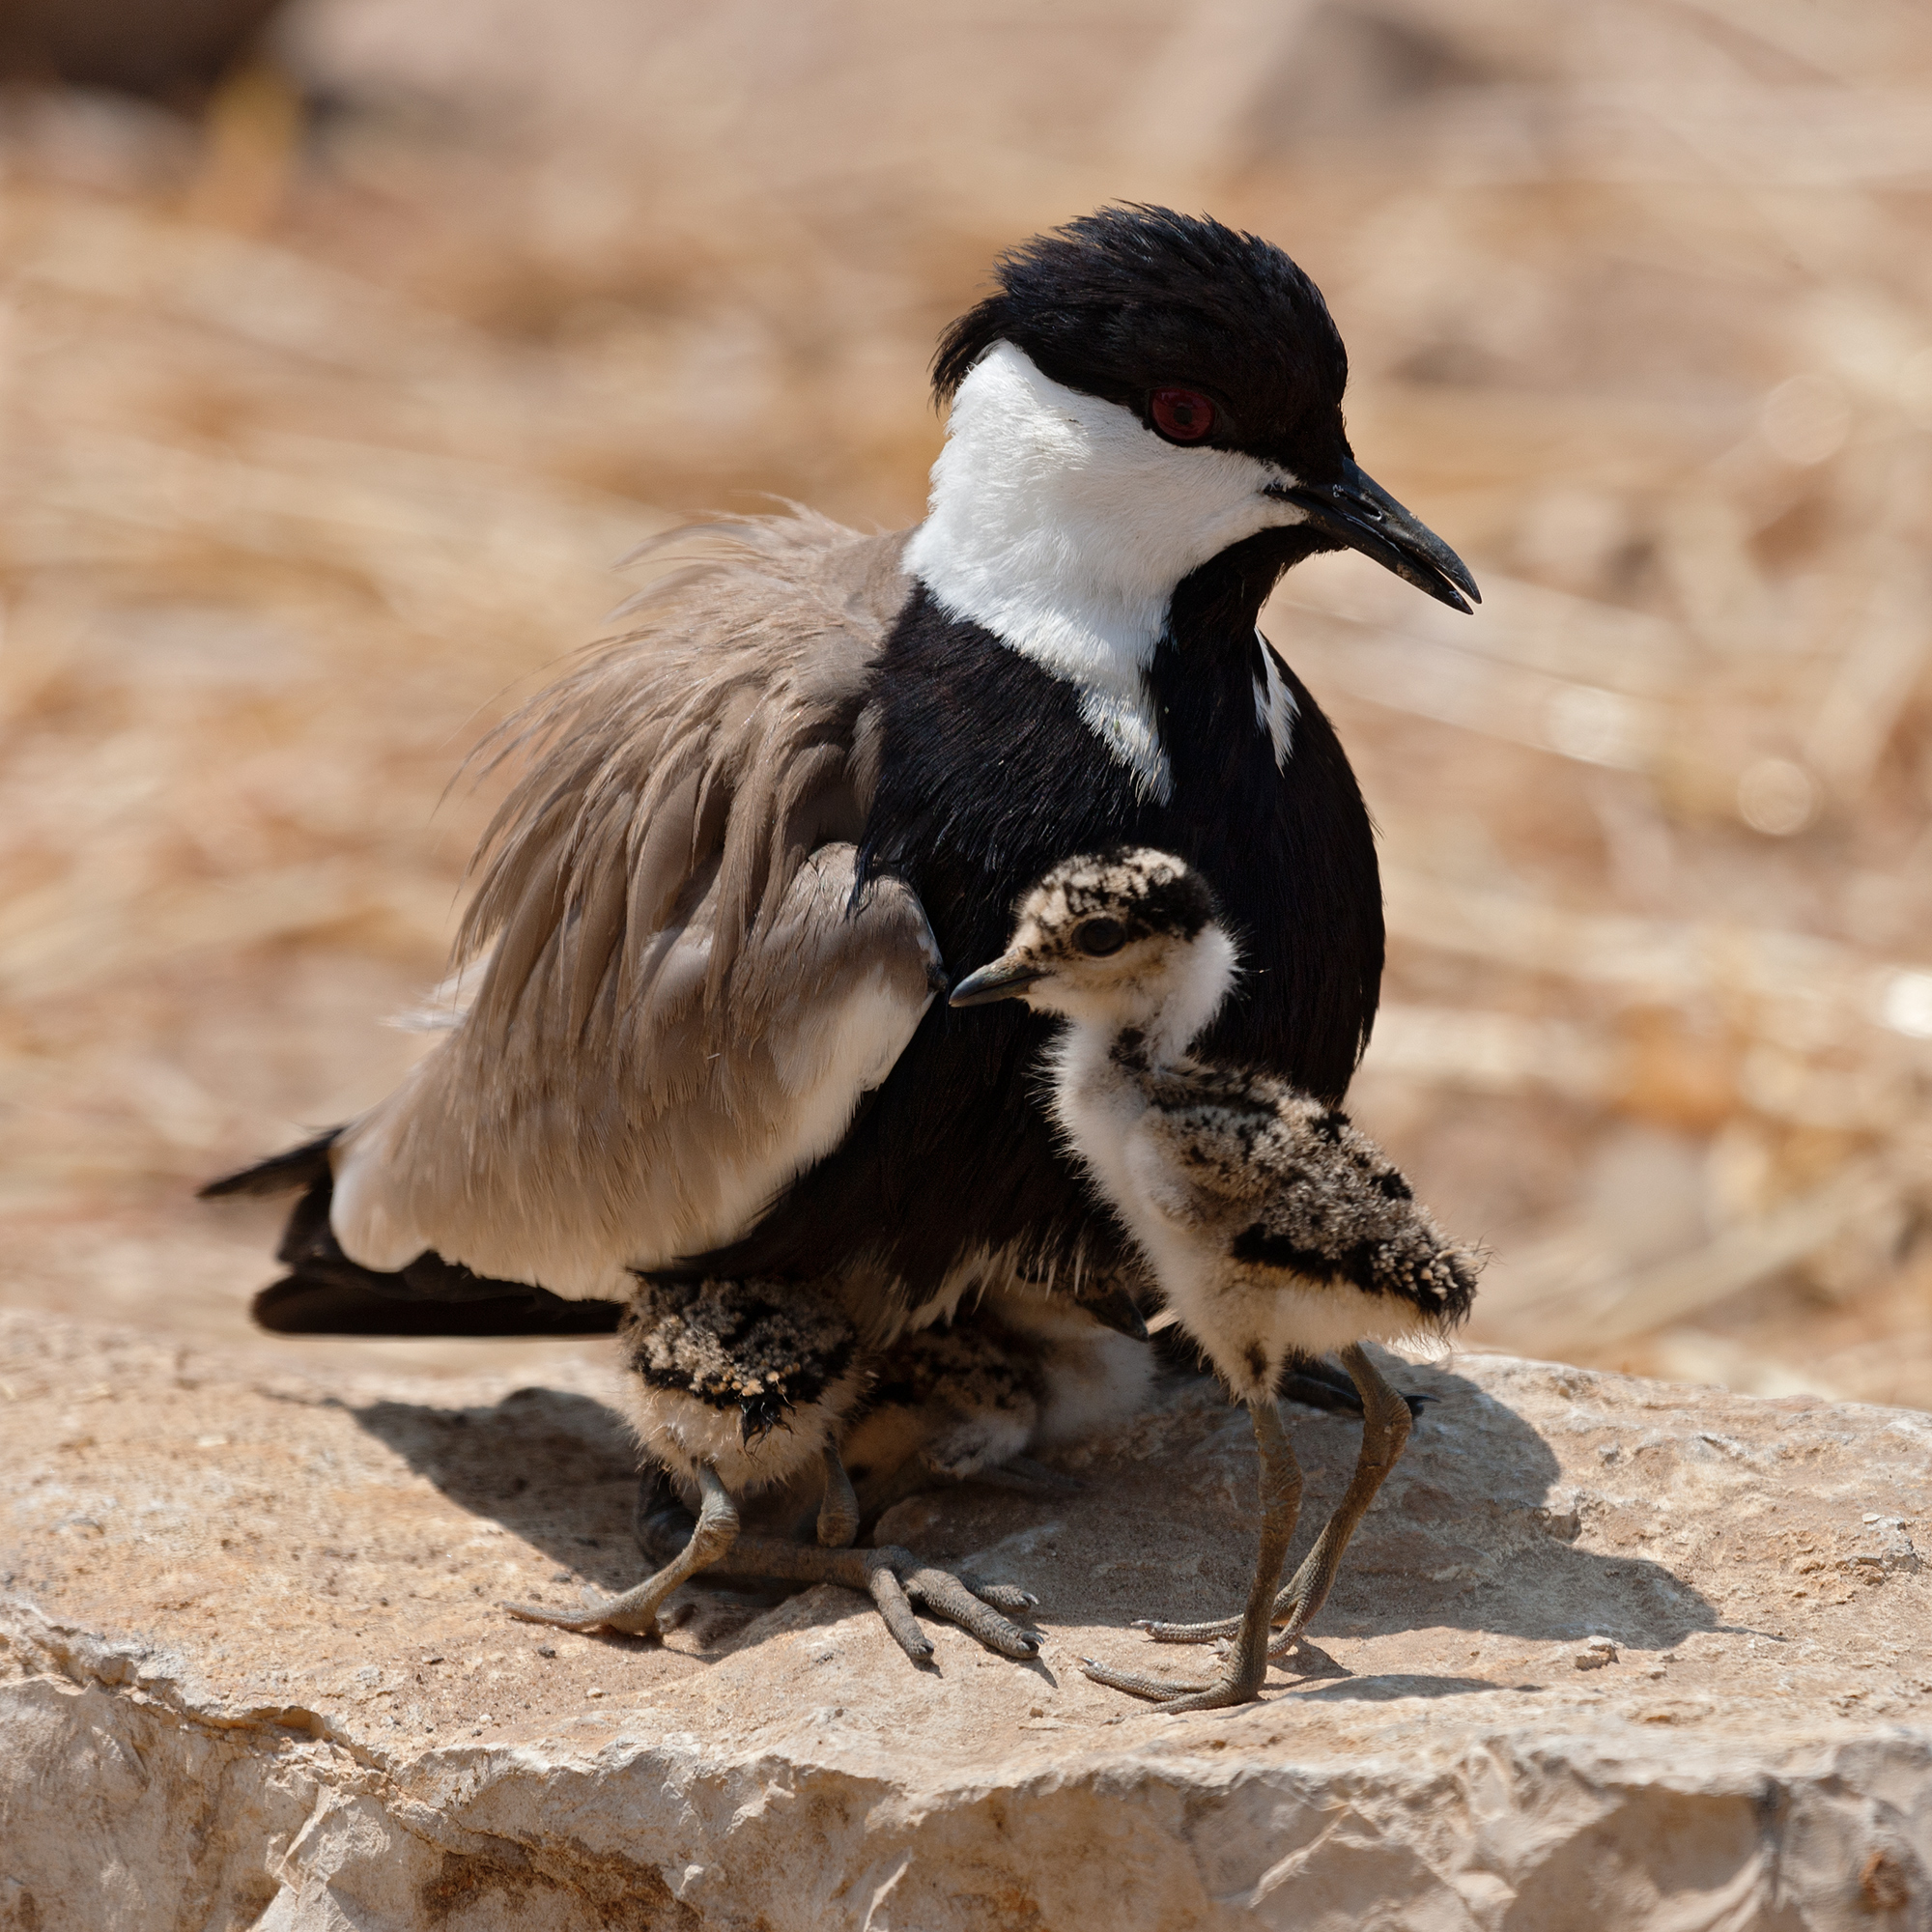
{"type": "Point", "coordinates": [1167, 1008]}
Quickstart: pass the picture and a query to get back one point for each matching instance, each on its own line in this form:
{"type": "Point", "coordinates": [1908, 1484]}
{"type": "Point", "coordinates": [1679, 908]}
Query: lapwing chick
{"type": "Point", "coordinates": [737, 1387]}
{"type": "Point", "coordinates": [1275, 1229]}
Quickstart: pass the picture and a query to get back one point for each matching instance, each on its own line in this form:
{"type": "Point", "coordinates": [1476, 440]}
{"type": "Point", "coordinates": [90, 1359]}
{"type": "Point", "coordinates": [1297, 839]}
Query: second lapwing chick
{"type": "Point", "coordinates": [1274, 1228]}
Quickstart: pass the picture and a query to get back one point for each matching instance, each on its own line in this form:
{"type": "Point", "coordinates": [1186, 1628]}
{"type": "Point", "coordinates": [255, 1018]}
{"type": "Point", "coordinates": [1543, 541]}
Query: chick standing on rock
{"type": "Point", "coordinates": [1275, 1229]}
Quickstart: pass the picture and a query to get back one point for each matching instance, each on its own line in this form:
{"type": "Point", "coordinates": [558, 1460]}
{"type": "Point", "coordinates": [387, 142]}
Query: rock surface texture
{"type": "Point", "coordinates": [1609, 1655]}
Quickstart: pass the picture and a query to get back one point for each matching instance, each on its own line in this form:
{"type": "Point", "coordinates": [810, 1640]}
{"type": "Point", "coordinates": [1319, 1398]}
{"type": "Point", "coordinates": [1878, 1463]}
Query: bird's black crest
{"type": "Point", "coordinates": [1134, 299]}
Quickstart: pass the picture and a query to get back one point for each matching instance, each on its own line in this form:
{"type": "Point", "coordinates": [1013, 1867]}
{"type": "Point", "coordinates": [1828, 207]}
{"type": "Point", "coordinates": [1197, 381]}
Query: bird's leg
{"type": "Point", "coordinates": [636, 1611]}
{"type": "Point", "coordinates": [838, 1513]}
{"type": "Point", "coordinates": [659, 1520]}
{"type": "Point", "coordinates": [889, 1576]}
{"type": "Point", "coordinates": [893, 1578]}
{"type": "Point", "coordinates": [1386, 1420]}
{"type": "Point", "coordinates": [1246, 1665]}
{"type": "Point", "coordinates": [1385, 1424]}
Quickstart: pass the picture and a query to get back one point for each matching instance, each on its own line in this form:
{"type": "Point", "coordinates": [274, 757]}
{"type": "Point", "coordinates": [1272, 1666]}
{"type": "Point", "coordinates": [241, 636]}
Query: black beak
{"type": "Point", "coordinates": [1358, 513]}
{"type": "Point", "coordinates": [1002, 979]}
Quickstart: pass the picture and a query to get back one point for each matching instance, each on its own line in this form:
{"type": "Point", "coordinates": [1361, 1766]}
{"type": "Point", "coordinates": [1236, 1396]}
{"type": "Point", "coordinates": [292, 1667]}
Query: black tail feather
{"type": "Point", "coordinates": [338, 1304]}
{"type": "Point", "coordinates": [299, 1167]}
{"type": "Point", "coordinates": [326, 1293]}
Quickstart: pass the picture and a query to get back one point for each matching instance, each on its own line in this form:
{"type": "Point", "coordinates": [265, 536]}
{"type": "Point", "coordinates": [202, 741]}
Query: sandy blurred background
{"type": "Point", "coordinates": [345, 346]}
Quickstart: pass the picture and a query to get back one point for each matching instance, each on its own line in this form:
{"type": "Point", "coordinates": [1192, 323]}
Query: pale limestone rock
{"type": "Point", "coordinates": [253, 1674]}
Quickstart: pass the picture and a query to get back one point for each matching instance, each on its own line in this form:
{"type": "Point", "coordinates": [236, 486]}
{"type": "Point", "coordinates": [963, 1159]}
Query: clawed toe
{"type": "Point", "coordinates": [896, 1579]}
{"type": "Point", "coordinates": [1001, 1596]}
{"type": "Point", "coordinates": [595, 1616]}
{"type": "Point", "coordinates": [1291, 1635]}
{"type": "Point", "coordinates": [1225, 1691]}
{"type": "Point", "coordinates": [975, 1606]}
{"type": "Point", "coordinates": [1163, 1632]}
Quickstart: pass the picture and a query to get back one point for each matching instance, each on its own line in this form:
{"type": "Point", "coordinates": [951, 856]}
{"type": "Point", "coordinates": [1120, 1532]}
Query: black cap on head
{"type": "Point", "coordinates": [1133, 299]}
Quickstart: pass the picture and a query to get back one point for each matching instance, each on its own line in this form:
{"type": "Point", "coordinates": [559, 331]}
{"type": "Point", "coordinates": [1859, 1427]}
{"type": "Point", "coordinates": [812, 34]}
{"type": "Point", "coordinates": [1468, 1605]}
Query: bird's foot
{"type": "Point", "coordinates": [1233, 1686]}
{"type": "Point", "coordinates": [633, 1613]}
{"type": "Point", "coordinates": [896, 1579]}
{"type": "Point", "coordinates": [1294, 1611]}
{"type": "Point", "coordinates": [1294, 1615]}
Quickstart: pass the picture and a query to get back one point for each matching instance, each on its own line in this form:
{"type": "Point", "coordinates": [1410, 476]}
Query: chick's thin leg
{"type": "Point", "coordinates": [1386, 1420]}
{"type": "Point", "coordinates": [636, 1611]}
{"type": "Point", "coordinates": [838, 1514]}
{"type": "Point", "coordinates": [1246, 1665]}
{"type": "Point", "coordinates": [893, 1578]}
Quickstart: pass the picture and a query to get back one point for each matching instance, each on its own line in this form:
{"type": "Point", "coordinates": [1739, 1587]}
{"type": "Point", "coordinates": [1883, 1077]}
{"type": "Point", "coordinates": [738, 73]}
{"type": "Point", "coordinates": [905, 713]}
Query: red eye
{"type": "Point", "coordinates": [1181, 416]}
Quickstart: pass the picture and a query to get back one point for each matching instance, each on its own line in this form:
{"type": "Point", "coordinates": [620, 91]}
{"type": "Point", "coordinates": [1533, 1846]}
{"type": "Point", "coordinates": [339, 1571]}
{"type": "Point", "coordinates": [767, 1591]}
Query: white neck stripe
{"type": "Point", "coordinates": [1275, 708]}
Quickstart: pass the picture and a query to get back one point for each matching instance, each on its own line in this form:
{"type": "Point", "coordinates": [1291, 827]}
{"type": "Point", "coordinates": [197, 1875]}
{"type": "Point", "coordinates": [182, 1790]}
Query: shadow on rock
{"type": "Point", "coordinates": [1477, 1528]}
{"type": "Point", "coordinates": [1390, 1686]}
{"type": "Point", "coordinates": [559, 1470]}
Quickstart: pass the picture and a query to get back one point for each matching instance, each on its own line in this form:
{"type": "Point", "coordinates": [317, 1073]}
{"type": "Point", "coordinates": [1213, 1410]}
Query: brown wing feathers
{"type": "Point", "coordinates": [678, 1004]}
{"type": "Point", "coordinates": [686, 770]}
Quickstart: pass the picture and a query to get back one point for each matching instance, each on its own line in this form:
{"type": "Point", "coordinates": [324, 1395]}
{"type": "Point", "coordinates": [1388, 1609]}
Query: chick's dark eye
{"type": "Point", "coordinates": [1100, 936]}
{"type": "Point", "coordinates": [1181, 416]}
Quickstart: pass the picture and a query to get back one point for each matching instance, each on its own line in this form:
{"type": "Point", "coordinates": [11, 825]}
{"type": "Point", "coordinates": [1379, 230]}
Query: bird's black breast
{"type": "Point", "coordinates": [989, 775]}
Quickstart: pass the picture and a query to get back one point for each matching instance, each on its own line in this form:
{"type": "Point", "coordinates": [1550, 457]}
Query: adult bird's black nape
{"type": "Point", "coordinates": [703, 1075]}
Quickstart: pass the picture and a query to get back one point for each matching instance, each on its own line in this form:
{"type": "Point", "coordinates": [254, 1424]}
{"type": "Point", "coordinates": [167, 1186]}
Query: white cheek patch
{"type": "Point", "coordinates": [1061, 525]}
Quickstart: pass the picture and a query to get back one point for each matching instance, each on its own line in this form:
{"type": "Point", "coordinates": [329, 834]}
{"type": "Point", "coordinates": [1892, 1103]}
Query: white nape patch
{"type": "Point", "coordinates": [1275, 708]}
{"type": "Point", "coordinates": [1208, 970]}
{"type": "Point", "coordinates": [1172, 1001]}
{"type": "Point", "coordinates": [1061, 525]}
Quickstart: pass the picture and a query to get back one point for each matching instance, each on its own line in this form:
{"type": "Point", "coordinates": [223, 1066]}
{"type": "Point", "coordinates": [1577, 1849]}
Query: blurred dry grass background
{"type": "Point", "coordinates": [334, 383]}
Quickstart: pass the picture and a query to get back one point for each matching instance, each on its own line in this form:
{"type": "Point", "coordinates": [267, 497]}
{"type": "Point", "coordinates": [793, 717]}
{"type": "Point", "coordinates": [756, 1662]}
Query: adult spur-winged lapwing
{"type": "Point", "coordinates": [702, 1074]}
{"type": "Point", "coordinates": [1275, 1229]}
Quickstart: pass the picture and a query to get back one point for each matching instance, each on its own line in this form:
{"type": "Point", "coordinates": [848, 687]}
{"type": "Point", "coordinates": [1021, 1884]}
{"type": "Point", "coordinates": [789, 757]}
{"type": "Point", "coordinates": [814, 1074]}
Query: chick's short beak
{"type": "Point", "coordinates": [1004, 979]}
{"type": "Point", "coordinates": [1358, 513]}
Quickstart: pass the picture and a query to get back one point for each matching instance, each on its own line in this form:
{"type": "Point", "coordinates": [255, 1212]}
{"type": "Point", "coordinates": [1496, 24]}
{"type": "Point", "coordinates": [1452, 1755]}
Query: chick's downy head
{"type": "Point", "coordinates": [1128, 936]}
